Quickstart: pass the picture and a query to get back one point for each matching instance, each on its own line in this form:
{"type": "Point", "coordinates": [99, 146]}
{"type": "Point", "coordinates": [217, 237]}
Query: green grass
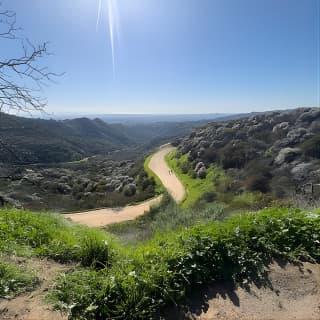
{"type": "Point", "coordinates": [25, 233]}
{"type": "Point", "coordinates": [113, 281]}
{"type": "Point", "coordinates": [165, 217]}
{"type": "Point", "coordinates": [15, 279]}
{"type": "Point", "coordinates": [195, 187]}
{"type": "Point", "coordinates": [165, 269]}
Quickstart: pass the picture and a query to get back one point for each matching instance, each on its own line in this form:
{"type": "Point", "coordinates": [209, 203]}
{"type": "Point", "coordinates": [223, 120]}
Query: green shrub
{"type": "Point", "coordinates": [210, 196]}
{"type": "Point", "coordinates": [95, 252]}
{"type": "Point", "coordinates": [259, 182]}
{"type": "Point", "coordinates": [311, 147]}
{"type": "Point", "coordinates": [236, 155]}
{"type": "Point", "coordinates": [165, 269]}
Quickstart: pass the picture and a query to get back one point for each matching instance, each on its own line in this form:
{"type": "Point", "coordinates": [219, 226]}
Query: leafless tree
{"type": "Point", "coordinates": [22, 77]}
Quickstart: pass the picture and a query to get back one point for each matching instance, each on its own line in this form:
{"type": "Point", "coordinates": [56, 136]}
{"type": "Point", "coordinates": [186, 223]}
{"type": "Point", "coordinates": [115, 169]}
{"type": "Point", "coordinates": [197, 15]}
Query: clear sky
{"type": "Point", "coordinates": [177, 56]}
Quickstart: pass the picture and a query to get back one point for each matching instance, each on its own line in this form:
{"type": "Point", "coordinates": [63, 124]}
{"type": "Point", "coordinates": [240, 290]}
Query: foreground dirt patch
{"type": "Point", "coordinates": [31, 305]}
{"type": "Point", "coordinates": [293, 292]}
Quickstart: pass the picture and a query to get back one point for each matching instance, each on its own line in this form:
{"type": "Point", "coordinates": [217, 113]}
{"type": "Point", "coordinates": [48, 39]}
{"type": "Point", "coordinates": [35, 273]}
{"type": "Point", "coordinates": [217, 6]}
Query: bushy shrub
{"type": "Point", "coordinates": [210, 155]}
{"type": "Point", "coordinates": [236, 155]}
{"type": "Point", "coordinates": [259, 182]}
{"type": "Point", "coordinates": [311, 147]}
{"type": "Point", "coordinates": [95, 252]}
{"type": "Point", "coordinates": [210, 196]}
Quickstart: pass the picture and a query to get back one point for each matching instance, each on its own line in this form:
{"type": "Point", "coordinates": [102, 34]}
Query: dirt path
{"type": "Point", "coordinates": [31, 305]}
{"type": "Point", "coordinates": [159, 166]}
{"type": "Point", "coordinates": [102, 217]}
{"type": "Point", "coordinates": [293, 293]}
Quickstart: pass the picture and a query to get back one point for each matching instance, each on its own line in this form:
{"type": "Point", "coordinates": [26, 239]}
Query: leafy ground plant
{"type": "Point", "coordinates": [162, 271]}
{"type": "Point", "coordinates": [15, 279]}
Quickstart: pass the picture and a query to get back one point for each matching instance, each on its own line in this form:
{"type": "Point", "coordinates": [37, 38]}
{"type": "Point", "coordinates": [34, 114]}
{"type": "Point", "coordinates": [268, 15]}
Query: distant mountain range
{"type": "Point", "coordinates": [30, 140]}
{"type": "Point", "coordinates": [133, 119]}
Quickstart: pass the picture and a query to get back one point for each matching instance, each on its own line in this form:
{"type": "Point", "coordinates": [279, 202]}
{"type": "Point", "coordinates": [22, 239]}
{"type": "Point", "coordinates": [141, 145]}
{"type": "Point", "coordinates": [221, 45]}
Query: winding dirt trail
{"type": "Point", "coordinates": [102, 217]}
{"type": "Point", "coordinates": [168, 178]}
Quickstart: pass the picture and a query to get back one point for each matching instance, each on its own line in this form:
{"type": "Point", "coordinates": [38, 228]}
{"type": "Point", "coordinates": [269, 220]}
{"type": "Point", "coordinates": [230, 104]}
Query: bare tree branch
{"type": "Point", "coordinates": [22, 78]}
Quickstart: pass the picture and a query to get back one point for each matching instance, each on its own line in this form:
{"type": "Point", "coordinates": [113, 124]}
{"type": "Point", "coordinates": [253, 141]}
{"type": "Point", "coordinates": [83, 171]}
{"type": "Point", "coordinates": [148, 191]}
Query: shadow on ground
{"type": "Point", "coordinates": [197, 301]}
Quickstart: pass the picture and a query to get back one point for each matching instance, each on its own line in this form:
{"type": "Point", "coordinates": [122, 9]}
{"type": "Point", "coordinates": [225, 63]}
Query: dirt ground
{"type": "Point", "coordinates": [103, 217]}
{"type": "Point", "coordinates": [31, 305]}
{"type": "Point", "coordinates": [292, 292]}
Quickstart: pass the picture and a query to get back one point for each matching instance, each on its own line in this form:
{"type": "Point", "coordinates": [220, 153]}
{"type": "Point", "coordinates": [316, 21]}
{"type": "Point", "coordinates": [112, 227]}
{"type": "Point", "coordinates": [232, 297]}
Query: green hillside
{"type": "Point", "coordinates": [113, 281]}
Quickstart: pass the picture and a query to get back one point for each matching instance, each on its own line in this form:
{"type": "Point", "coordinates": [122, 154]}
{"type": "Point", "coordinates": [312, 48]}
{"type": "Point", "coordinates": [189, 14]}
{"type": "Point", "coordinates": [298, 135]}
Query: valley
{"type": "Point", "coordinates": [159, 160]}
{"type": "Point", "coordinates": [221, 243]}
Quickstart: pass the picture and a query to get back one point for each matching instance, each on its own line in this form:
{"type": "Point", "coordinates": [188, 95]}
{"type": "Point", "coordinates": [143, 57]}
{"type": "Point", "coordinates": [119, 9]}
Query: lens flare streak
{"type": "Point", "coordinates": [111, 28]}
{"type": "Point", "coordinates": [99, 14]}
{"type": "Point", "coordinates": [111, 7]}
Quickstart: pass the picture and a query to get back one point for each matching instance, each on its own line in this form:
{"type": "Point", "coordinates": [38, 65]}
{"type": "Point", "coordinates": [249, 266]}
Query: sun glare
{"type": "Point", "coordinates": [111, 6]}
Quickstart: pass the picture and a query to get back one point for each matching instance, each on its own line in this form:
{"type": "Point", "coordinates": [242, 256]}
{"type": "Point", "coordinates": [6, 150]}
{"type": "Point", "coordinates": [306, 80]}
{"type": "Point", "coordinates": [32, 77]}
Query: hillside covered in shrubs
{"type": "Point", "coordinates": [94, 182]}
{"type": "Point", "coordinates": [276, 153]}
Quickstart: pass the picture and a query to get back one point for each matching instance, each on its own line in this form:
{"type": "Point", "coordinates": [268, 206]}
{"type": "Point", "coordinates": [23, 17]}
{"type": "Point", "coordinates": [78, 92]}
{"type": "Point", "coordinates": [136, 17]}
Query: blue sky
{"type": "Point", "coordinates": [177, 56]}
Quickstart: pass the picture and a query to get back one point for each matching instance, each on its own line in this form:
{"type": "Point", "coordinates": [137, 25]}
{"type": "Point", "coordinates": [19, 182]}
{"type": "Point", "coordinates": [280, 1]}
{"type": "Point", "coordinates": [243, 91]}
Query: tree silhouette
{"type": "Point", "coordinates": [22, 77]}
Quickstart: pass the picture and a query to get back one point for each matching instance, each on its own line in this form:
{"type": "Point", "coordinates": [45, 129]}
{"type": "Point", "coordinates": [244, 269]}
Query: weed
{"type": "Point", "coordinates": [14, 280]}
